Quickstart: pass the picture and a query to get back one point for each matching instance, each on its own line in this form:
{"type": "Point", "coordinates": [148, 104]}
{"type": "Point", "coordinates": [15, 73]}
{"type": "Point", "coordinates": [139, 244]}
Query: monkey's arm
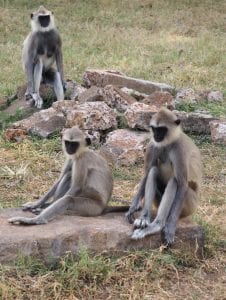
{"type": "Point", "coordinates": [59, 63]}
{"type": "Point", "coordinates": [39, 203]}
{"type": "Point", "coordinates": [29, 60]}
{"type": "Point", "coordinates": [150, 161]}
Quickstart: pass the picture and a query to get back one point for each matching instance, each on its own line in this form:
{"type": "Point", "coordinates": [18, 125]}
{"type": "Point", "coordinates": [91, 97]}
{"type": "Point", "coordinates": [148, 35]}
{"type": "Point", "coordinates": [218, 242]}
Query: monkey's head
{"type": "Point", "coordinates": [74, 142]}
{"type": "Point", "coordinates": [165, 127]}
{"type": "Point", "coordinates": [42, 20]}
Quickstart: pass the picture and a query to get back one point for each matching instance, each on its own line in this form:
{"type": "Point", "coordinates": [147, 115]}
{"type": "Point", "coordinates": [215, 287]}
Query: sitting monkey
{"type": "Point", "coordinates": [84, 187]}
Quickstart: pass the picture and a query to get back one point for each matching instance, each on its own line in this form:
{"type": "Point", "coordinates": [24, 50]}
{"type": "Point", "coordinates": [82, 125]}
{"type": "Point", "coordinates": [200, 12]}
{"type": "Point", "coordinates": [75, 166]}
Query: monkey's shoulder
{"type": "Point", "coordinates": [92, 159]}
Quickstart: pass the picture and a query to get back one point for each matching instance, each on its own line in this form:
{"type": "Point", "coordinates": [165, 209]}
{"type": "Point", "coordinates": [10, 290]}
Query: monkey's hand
{"type": "Point", "coordinates": [130, 214]}
{"type": "Point", "coordinates": [30, 206]}
{"type": "Point", "coordinates": [153, 228]}
{"type": "Point", "coordinates": [27, 221]}
{"type": "Point", "coordinates": [38, 100]}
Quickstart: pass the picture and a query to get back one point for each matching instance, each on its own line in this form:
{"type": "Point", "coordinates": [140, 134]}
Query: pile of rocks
{"type": "Point", "coordinates": [115, 111]}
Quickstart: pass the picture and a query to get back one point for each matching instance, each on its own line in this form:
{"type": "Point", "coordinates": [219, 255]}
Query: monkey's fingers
{"type": "Point", "coordinates": [38, 100]}
{"type": "Point", "coordinates": [29, 206]}
{"type": "Point", "coordinates": [142, 222]}
{"type": "Point", "coordinates": [130, 217]}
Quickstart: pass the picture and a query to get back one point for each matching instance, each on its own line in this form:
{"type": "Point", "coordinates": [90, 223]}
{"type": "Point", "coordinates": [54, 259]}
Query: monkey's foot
{"type": "Point", "coordinates": [37, 99]}
{"type": "Point", "coordinates": [151, 229]}
{"type": "Point", "coordinates": [26, 221]}
{"type": "Point", "coordinates": [167, 236]}
{"type": "Point", "coordinates": [142, 222]}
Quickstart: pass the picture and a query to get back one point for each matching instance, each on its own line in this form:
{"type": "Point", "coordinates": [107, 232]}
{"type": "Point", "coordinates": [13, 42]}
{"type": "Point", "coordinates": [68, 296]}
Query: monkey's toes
{"type": "Point", "coordinates": [141, 223]}
{"type": "Point", "coordinates": [138, 234]}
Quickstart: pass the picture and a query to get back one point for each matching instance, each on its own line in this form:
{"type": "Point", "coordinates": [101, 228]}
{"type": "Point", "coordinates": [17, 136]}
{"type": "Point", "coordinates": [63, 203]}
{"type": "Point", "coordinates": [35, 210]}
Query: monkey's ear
{"type": "Point", "coordinates": [32, 15]}
{"type": "Point", "coordinates": [177, 122]}
{"type": "Point", "coordinates": [88, 141]}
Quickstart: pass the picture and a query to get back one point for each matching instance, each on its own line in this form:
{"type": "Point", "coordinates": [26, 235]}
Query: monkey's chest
{"type": "Point", "coordinates": [165, 170]}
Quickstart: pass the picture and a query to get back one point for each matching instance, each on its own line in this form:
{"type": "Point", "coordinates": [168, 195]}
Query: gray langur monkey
{"type": "Point", "coordinates": [171, 181]}
{"type": "Point", "coordinates": [41, 49]}
{"type": "Point", "coordinates": [84, 187]}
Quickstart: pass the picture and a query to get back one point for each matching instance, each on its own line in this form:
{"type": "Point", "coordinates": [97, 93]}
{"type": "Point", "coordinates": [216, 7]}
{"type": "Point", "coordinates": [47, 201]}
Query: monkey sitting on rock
{"type": "Point", "coordinates": [41, 49]}
{"type": "Point", "coordinates": [171, 181]}
{"type": "Point", "coordinates": [84, 187]}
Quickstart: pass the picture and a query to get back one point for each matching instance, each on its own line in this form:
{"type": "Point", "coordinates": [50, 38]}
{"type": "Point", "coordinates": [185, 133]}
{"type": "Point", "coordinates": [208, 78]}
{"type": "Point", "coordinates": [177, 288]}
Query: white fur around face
{"type": "Point", "coordinates": [37, 27]}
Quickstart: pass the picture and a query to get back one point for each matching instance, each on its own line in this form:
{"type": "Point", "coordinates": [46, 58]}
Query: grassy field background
{"type": "Point", "coordinates": [177, 42]}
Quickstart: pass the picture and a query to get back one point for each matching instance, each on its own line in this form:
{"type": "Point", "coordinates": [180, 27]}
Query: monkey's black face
{"type": "Point", "coordinates": [71, 147]}
{"type": "Point", "coordinates": [44, 20]}
{"type": "Point", "coordinates": [159, 133]}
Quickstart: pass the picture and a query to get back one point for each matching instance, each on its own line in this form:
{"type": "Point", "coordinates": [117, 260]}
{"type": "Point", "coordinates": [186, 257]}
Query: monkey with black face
{"type": "Point", "coordinates": [41, 49]}
{"type": "Point", "coordinates": [84, 187]}
{"type": "Point", "coordinates": [172, 179]}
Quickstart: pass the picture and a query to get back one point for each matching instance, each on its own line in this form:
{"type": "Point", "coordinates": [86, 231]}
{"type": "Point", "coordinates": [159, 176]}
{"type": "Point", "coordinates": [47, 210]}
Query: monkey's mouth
{"type": "Point", "coordinates": [71, 147]}
{"type": "Point", "coordinates": [44, 20]}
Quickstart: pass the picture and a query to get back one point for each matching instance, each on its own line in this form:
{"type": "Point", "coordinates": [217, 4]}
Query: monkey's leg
{"type": "Point", "coordinates": [150, 193]}
{"type": "Point", "coordinates": [162, 214]}
{"type": "Point", "coordinates": [37, 81]}
{"type": "Point", "coordinates": [180, 207]}
{"type": "Point", "coordinates": [58, 86]}
{"type": "Point", "coordinates": [85, 207]}
{"type": "Point", "coordinates": [135, 206]}
{"type": "Point", "coordinates": [58, 207]}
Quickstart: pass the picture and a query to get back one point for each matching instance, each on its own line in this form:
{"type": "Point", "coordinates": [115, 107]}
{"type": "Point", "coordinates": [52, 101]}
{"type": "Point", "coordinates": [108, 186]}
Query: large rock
{"type": "Point", "coordinates": [92, 116]}
{"type": "Point", "coordinates": [102, 78]}
{"type": "Point", "coordinates": [73, 90]}
{"type": "Point", "coordinates": [218, 131]}
{"type": "Point", "coordinates": [138, 115]}
{"type": "Point", "coordinates": [197, 122]}
{"type": "Point", "coordinates": [125, 147]}
{"type": "Point", "coordinates": [65, 234]}
{"type": "Point", "coordinates": [43, 123]}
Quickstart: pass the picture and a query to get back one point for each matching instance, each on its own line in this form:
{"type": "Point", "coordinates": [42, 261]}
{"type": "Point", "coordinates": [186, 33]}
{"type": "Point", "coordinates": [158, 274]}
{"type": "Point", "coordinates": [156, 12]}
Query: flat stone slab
{"type": "Point", "coordinates": [110, 233]}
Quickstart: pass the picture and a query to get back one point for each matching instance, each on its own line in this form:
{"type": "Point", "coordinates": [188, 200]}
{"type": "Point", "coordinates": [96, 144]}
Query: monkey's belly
{"type": "Point", "coordinates": [47, 61]}
{"type": "Point", "coordinates": [166, 172]}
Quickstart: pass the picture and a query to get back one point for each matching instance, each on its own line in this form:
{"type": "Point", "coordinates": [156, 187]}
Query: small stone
{"type": "Point", "coordinates": [73, 90]}
{"type": "Point", "coordinates": [215, 96]}
{"type": "Point", "coordinates": [125, 147]}
{"type": "Point", "coordinates": [138, 115]}
{"type": "Point", "coordinates": [160, 99]}
{"type": "Point", "coordinates": [90, 95]}
{"type": "Point", "coordinates": [15, 135]}
{"type": "Point", "coordinates": [135, 94]}
{"type": "Point", "coordinates": [187, 96]}
{"type": "Point", "coordinates": [116, 98]}
{"type": "Point", "coordinates": [218, 131]}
